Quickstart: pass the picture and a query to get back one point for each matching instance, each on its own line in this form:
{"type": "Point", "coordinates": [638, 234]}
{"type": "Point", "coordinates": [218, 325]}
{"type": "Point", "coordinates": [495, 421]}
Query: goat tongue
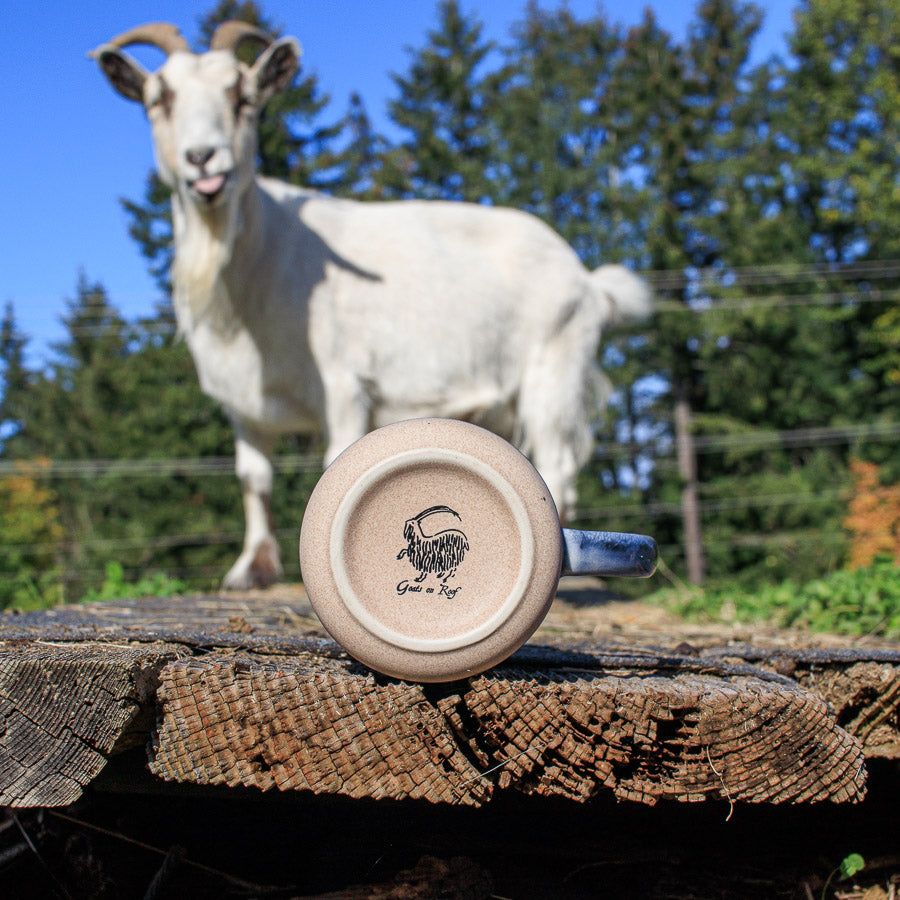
{"type": "Point", "coordinates": [209, 185]}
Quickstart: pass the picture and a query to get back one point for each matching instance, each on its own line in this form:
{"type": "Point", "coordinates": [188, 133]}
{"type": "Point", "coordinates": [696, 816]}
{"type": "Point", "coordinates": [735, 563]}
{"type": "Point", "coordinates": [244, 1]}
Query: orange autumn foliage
{"type": "Point", "coordinates": [873, 519]}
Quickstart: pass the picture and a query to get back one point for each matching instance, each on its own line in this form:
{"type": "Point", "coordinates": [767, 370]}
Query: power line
{"type": "Point", "coordinates": [724, 276]}
{"type": "Point", "coordinates": [312, 462]}
{"type": "Point", "coordinates": [759, 440]}
{"type": "Point", "coordinates": [776, 301]}
{"type": "Point", "coordinates": [779, 273]}
{"type": "Point", "coordinates": [798, 437]}
{"type": "Point", "coordinates": [658, 510]}
{"type": "Point", "coordinates": [660, 279]}
{"type": "Point", "coordinates": [133, 468]}
{"type": "Point", "coordinates": [232, 538]}
{"type": "Point", "coordinates": [701, 306]}
{"type": "Point", "coordinates": [756, 541]}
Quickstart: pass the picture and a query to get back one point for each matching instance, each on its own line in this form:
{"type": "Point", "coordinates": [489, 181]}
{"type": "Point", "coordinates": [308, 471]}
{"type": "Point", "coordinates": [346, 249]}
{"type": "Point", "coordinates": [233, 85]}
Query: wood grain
{"type": "Point", "coordinates": [64, 710]}
{"type": "Point", "coordinates": [247, 691]}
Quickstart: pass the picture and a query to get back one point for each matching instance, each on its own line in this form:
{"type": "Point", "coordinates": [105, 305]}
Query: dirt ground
{"type": "Point", "coordinates": [163, 841]}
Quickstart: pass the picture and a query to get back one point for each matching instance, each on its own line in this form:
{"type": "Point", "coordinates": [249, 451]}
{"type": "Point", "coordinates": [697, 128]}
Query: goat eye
{"type": "Point", "coordinates": [239, 100]}
{"type": "Point", "coordinates": [163, 98]}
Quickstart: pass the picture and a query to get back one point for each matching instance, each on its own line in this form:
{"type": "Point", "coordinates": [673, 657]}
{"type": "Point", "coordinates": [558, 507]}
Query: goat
{"type": "Point", "coordinates": [309, 313]}
{"type": "Point", "coordinates": [440, 552]}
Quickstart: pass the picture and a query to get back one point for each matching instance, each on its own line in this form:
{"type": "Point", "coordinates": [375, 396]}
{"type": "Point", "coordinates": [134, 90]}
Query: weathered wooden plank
{"type": "Point", "coordinates": [647, 737]}
{"type": "Point", "coordinates": [64, 710]}
{"type": "Point", "coordinates": [246, 690]}
{"type": "Point", "coordinates": [294, 726]}
{"type": "Point", "coordinates": [861, 686]}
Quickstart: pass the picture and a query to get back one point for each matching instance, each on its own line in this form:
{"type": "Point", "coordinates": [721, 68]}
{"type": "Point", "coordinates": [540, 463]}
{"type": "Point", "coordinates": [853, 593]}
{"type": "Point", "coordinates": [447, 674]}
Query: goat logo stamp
{"type": "Point", "coordinates": [434, 546]}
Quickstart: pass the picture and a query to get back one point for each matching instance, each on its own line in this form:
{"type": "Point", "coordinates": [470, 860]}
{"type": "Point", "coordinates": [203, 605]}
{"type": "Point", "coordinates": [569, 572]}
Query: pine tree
{"type": "Point", "coordinates": [558, 155]}
{"type": "Point", "coordinates": [444, 107]}
{"type": "Point", "coordinates": [116, 392]}
{"type": "Point", "coordinates": [757, 176]}
{"type": "Point", "coordinates": [836, 106]}
{"type": "Point", "coordinates": [29, 536]}
{"type": "Point", "coordinates": [13, 406]}
{"type": "Point", "coordinates": [366, 163]}
{"type": "Point", "coordinates": [29, 527]}
{"type": "Point", "coordinates": [150, 225]}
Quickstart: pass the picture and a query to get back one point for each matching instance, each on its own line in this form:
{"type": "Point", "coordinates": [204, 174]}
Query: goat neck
{"type": "Point", "coordinates": [215, 248]}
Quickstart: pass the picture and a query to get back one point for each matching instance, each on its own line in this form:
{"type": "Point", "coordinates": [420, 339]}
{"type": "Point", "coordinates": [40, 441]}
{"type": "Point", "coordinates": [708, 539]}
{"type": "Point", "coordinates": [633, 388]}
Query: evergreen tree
{"type": "Point", "coordinates": [29, 536]}
{"type": "Point", "coordinates": [557, 145]}
{"type": "Point", "coordinates": [445, 108]}
{"type": "Point", "coordinates": [13, 407]}
{"type": "Point", "coordinates": [117, 392]}
{"type": "Point", "coordinates": [691, 121]}
{"type": "Point", "coordinates": [836, 108]}
{"type": "Point", "coordinates": [752, 181]}
{"type": "Point", "coordinates": [29, 528]}
{"type": "Point", "coordinates": [367, 164]}
{"type": "Point", "coordinates": [150, 225]}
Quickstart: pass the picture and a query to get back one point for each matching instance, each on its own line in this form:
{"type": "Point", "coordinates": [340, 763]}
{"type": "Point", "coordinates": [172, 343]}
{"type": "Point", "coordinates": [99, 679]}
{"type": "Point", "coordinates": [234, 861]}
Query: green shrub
{"type": "Point", "coordinates": [115, 587]}
{"type": "Point", "coordinates": [861, 601]}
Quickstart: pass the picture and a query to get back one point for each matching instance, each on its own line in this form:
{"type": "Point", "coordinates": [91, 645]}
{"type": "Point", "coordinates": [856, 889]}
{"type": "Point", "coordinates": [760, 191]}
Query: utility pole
{"type": "Point", "coordinates": [690, 507]}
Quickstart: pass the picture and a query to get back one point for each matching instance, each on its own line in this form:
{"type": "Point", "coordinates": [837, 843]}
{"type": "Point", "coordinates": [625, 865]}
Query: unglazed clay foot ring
{"type": "Point", "coordinates": [431, 550]}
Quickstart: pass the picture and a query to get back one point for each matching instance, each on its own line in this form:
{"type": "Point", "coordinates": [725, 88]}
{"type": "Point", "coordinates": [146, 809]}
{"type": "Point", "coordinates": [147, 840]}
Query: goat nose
{"type": "Point", "coordinates": [198, 156]}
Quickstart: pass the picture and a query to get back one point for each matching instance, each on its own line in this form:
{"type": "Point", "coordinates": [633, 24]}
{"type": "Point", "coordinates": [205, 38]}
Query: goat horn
{"type": "Point", "coordinates": [435, 509]}
{"type": "Point", "coordinates": [230, 35]}
{"type": "Point", "coordinates": [157, 34]}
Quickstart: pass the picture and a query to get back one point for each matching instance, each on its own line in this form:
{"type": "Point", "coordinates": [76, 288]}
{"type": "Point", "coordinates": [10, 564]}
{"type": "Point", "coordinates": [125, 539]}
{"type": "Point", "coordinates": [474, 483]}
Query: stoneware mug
{"type": "Point", "coordinates": [431, 550]}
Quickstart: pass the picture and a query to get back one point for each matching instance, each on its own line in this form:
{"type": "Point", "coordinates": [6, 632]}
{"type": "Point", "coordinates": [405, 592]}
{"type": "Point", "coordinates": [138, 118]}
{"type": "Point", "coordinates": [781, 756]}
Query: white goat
{"type": "Point", "coordinates": [308, 313]}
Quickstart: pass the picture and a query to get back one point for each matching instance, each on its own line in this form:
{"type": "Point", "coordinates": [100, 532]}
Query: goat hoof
{"type": "Point", "coordinates": [255, 569]}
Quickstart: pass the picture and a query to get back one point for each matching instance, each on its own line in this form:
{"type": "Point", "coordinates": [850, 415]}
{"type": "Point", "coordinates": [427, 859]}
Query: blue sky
{"type": "Point", "coordinates": [71, 147]}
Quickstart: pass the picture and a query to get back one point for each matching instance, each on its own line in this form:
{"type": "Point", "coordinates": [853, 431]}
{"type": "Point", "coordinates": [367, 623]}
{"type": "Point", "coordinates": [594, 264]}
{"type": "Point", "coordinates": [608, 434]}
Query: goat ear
{"type": "Point", "coordinates": [275, 68]}
{"type": "Point", "coordinates": [125, 74]}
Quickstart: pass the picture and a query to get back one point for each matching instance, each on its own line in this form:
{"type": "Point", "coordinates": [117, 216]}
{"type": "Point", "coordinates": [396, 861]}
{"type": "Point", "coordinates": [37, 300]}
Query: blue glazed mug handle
{"type": "Point", "coordinates": [608, 553]}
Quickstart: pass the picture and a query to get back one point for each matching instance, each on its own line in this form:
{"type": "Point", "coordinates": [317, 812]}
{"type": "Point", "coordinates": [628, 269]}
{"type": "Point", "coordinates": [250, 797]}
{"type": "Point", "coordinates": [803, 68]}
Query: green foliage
{"type": "Point", "coordinates": [116, 587]}
{"type": "Point", "coordinates": [15, 373]}
{"type": "Point", "coordinates": [118, 392]}
{"type": "Point", "coordinates": [862, 601]}
{"type": "Point", "coordinates": [754, 187]}
{"type": "Point", "coordinates": [445, 107]}
{"type": "Point", "coordinates": [557, 157]}
{"type": "Point", "coordinates": [29, 537]}
{"type": "Point", "coordinates": [850, 866]}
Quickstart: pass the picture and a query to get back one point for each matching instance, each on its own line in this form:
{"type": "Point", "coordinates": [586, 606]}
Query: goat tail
{"type": "Point", "coordinates": [629, 296]}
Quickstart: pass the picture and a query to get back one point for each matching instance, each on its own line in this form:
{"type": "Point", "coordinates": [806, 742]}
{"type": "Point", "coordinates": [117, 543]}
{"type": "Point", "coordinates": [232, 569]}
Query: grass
{"type": "Point", "coordinates": [854, 602]}
{"type": "Point", "coordinates": [115, 587]}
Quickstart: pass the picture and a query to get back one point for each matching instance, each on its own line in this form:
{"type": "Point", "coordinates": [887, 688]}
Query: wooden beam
{"type": "Point", "coordinates": [65, 709]}
{"type": "Point", "coordinates": [248, 691]}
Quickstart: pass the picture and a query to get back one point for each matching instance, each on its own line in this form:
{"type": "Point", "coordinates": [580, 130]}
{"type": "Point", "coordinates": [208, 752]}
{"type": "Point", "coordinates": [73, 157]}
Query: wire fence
{"type": "Point", "coordinates": [705, 285]}
{"type": "Point", "coordinates": [711, 290]}
{"type": "Point", "coordinates": [312, 462]}
{"type": "Point", "coordinates": [232, 542]}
